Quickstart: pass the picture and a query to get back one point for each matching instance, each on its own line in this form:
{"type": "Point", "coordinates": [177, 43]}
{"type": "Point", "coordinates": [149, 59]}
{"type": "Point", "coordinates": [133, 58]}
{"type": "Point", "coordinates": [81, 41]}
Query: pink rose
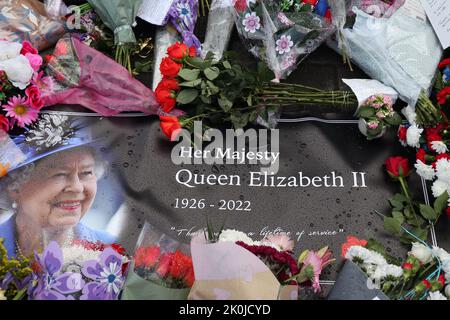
{"type": "Point", "coordinates": [34, 96]}
{"type": "Point", "coordinates": [35, 60]}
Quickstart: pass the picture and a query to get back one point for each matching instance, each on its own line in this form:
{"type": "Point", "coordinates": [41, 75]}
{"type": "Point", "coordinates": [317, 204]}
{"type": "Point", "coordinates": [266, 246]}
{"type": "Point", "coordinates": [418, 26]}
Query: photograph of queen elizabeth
{"type": "Point", "coordinates": [55, 185]}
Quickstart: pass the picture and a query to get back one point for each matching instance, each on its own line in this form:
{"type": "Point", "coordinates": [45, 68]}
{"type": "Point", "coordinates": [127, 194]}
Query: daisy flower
{"type": "Point", "coordinates": [19, 109]}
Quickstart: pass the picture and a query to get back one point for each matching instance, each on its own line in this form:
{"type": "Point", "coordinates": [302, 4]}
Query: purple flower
{"type": "Point", "coordinates": [106, 276]}
{"type": "Point", "coordinates": [52, 284]}
{"type": "Point", "coordinates": [183, 16]}
{"type": "Point", "coordinates": [284, 44]}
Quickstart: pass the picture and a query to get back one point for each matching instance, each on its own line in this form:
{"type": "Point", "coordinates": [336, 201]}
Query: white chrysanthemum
{"type": "Point", "coordinates": [439, 187]}
{"type": "Point", "coordinates": [443, 170]}
{"type": "Point", "coordinates": [410, 114]}
{"type": "Point", "coordinates": [234, 236]}
{"type": "Point", "coordinates": [266, 244]}
{"type": "Point", "coordinates": [421, 252]}
{"type": "Point", "coordinates": [367, 256]}
{"type": "Point", "coordinates": [425, 171]}
{"type": "Point", "coordinates": [413, 135]}
{"type": "Point", "coordinates": [436, 296]}
{"type": "Point", "coordinates": [387, 270]}
{"type": "Point", "coordinates": [439, 146]}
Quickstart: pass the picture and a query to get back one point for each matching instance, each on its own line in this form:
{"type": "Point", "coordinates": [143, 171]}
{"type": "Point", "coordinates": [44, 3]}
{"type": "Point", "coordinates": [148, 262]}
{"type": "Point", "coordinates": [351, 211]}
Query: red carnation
{"type": "Point", "coordinates": [402, 134]}
{"type": "Point", "coordinates": [181, 265]}
{"type": "Point", "coordinates": [169, 68]}
{"type": "Point", "coordinates": [420, 155]}
{"type": "Point", "coordinates": [164, 264]}
{"type": "Point", "coordinates": [442, 95]}
{"type": "Point", "coordinates": [28, 48]}
{"type": "Point", "coordinates": [441, 279]}
{"type": "Point", "coordinates": [170, 126]}
{"type": "Point", "coordinates": [4, 123]}
{"type": "Point", "coordinates": [397, 167]}
{"type": "Point", "coordinates": [146, 257]}
{"type": "Point", "coordinates": [178, 51]}
{"type": "Point", "coordinates": [427, 284]}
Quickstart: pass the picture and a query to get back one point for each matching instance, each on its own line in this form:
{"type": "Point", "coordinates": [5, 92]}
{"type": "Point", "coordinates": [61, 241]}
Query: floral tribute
{"type": "Point", "coordinates": [422, 275]}
{"type": "Point", "coordinates": [21, 84]}
{"type": "Point", "coordinates": [276, 252]}
{"type": "Point", "coordinates": [84, 271]}
{"type": "Point", "coordinates": [168, 269]}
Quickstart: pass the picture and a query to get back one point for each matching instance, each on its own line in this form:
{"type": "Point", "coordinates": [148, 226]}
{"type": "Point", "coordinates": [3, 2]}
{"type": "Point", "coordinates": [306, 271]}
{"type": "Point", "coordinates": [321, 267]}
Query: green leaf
{"type": "Point", "coordinates": [396, 203]}
{"type": "Point", "coordinates": [191, 84]}
{"type": "Point", "coordinates": [225, 104]}
{"type": "Point", "coordinates": [189, 74]}
{"type": "Point", "coordinates": [366, 112]}
{"type": "Point", "coordinates": [264, 73]}
{"type": "Point", "coordinates": [211, 73]}
{"type": "Point", "coordinates": [392, 225]}
{"type": "Point", "coordinates": [376, 246]}
{"type": "Point", "coordinates": [199, 63]}
{"type": "Point", "coordinates": [212, 87]}
{"type": "Point", "coordinates": [374, 132]}
{"type": "Point", "coordinates": [186, 96]}
{"type": "Point", "coordinates": [395, 120]}
{"type": "Point", "coordinates": [441, 203]}
{"type": "Point", "coordinates": [397, 215]}
{"type": "Point", "coordinates": [428, 212]}
{"type": "Point", "coordinates": [226, 64]}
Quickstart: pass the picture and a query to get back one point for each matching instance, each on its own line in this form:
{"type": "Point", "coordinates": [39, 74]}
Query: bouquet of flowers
{"type": "Point", "coordinates": [179, 25]}
{"type": "Point", "coordinates": [161, 268]}
{"type": "Point", "coordinates": [15, 275]}
{"type": "Point", "coordinates": [422, 275]}
{"type": "Point", "coordinates": [383, 38]}
{"type": "Point", "coordinates": [84, 271]}
{"type": "Point", "coordinates": [217, 92]}
{"type": "Point", "coordinates": [219, 29]}
{"type": "Point", "coordinates": [281, 39]}
{"type": "Point", "coordinates": [405, 210]}
{"type": "Point", "coordinates": [376, 115]}
{"type": "Point", "coordinates": [233, 266]}
{"type": "Point", "coordinates": [32, 21]}
{"type": "Point", "coordinates": [119, 16]}
{"type": "Point", "coordinates": [87, 77]}
{"type": "Point", "coordinates": [22, 84]}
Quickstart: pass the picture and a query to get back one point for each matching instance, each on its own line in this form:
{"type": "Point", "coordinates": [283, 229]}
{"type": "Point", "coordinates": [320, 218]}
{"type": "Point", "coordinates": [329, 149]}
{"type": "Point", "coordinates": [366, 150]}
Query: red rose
{"type": "Point", "coordinates": [34, 95]}
{"type": "Point", "coordinates": [169, 84]}
{"type": "Point", "coordinates": [169, 68]}
{"type": "Point", "coordinates": [442, 95]}
{"type": "Point", "coordinates": [192, 52]}
{"type": "Point", "coordinates": [4, 123]}
{"type": "Point", "coordinates": [397, 167]}
{"type": "Point", "coordinates": [240, 5]}
{"type": "Point", "coordinates": [420, 155]}
{"type": "Point", "coordinates": [166, 99]}
{"type": "Point", "coordinates": [402, 133]}
{"type": "Point", "coordinates": [28, 48]}
{"type": "Point", "coordinates": [178, 51]}
{"type": "Point", "coordinates": [170, 126]}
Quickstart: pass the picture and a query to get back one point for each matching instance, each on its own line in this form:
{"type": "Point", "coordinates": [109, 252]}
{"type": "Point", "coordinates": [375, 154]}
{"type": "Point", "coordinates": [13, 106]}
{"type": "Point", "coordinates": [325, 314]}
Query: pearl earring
{"type": "Point", "coordinates": [14, 205]}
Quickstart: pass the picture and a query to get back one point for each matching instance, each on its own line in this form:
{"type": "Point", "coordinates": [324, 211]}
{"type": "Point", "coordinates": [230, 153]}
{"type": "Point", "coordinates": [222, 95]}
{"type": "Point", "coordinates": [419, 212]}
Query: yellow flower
{"type": "Point", "coordinates": [4, 169]}
{"type": "Point", "coordinates": [2, 295]}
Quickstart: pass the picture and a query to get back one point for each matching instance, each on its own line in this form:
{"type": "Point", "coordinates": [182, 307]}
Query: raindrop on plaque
{"type": "Point", "coordinates": [125, 164]}
{"type": "Point", "coordinates": [214, 169]}
{"type": "Point", "coordinates": [130, 152]}
{"type": "Point", "coordinates": [338, 200]}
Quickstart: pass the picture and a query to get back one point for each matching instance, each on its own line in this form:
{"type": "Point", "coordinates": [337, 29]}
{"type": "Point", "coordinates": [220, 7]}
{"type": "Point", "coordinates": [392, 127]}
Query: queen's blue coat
{"type": "Point", "coordinates": [8, 233]}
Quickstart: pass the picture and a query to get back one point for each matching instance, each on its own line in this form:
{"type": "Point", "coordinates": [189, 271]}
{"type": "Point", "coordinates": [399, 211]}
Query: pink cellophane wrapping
{"type": "Point", "coordinates": [86, 77]}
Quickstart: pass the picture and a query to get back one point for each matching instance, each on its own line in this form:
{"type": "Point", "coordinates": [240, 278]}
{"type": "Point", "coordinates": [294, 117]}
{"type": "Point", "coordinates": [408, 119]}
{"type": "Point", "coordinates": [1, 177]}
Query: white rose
{"type": "Point", "coordinates": [18, 70]}
{"type": "Point", "coordinates": [421, 252]}
{"type": "Point", "coordinates": [9, 50]}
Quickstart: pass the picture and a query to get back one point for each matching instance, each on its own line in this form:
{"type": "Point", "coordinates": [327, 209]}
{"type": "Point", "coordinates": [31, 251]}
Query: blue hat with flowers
{"type": "Point", "coordinates": [50, 134]}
